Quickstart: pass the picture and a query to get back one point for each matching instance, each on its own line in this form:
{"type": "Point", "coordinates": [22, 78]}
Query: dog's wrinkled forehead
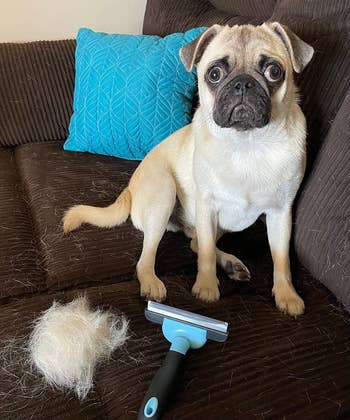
{"type": "Point", "coordinates": [244, 42]}
{"type": "Point", "coordinates": [243, 46]}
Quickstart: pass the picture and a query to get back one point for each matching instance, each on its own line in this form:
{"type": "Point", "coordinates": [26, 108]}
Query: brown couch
{"type": "Point", "coordinates": [272, 366]}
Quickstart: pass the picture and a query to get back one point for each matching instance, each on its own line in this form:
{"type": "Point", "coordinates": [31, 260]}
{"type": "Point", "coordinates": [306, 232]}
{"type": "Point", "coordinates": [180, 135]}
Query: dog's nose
{"type": "Point", "coordinates": [242, 83]}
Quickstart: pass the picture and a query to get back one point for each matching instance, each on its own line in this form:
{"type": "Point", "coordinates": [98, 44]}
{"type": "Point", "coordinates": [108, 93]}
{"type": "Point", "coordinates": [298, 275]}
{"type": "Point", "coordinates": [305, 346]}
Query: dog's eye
{"type": "Point", "coordinates": [273, 73]}
{"type": "Point", "coordinates": [215, 74]}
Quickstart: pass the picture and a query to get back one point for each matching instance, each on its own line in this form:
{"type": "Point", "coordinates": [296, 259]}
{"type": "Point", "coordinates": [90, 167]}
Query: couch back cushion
{"type": "Point", "coordinates": [253, 9]}
{"type": "Point", "coordinates": [36, 91]}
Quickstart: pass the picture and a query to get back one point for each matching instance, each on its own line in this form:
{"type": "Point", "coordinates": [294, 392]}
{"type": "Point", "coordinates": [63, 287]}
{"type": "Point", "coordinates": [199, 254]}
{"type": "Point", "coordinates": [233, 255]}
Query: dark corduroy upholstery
{"type": "Point", "coordinates": [19, 259]}
{"type": "Point", "coordinates": [323, 217]}
{"type": "Point", "coordinates": [36, 91]}
{"type": "Point", "coordinates": [272, 366]}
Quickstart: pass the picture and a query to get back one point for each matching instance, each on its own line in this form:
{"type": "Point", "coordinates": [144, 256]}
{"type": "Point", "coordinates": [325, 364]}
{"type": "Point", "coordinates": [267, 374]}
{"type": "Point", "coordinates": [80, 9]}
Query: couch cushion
{"type": "Point", "coordinates": [36, 91]}
{"type": "Point", "coordinates": [256, 9]}
{"type": "Point", "coordinates": [271, 367]}
{"type": "Point", "coordinates": [163, 17]}
{"type": "Point", "coordinates": [54, 180]}
{"type": "Point", "coordinates": [323, 217]}
{"type": "Point", "coordinates": [20, 272]}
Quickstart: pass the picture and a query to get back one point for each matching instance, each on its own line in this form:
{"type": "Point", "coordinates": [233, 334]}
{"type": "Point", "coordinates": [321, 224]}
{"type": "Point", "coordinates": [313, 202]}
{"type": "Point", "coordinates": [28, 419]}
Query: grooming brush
{"type": "Point", "coordinates": [184, 330]}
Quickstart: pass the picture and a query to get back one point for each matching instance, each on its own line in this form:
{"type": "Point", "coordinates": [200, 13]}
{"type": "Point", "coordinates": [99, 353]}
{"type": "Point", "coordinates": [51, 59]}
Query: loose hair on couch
{"type": "Point", "coordinates": [68, 341]}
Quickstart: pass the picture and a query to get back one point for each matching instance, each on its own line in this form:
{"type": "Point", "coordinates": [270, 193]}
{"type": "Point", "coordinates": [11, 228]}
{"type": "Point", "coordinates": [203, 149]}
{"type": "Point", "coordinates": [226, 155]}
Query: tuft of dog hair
{"type": "Point", "coordinates": [69, 340]}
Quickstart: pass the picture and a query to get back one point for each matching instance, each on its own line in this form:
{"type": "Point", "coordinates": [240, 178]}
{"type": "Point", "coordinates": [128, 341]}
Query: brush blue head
{"type": "Point", "coordinates": [186, 329]}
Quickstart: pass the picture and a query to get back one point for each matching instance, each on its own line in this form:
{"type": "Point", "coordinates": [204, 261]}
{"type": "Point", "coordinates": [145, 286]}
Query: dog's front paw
{"type": "Point", "coordinates": [206, 290]}
{"type": "Point", "coordinates": [153, 289]}
{"type": "Point", "coordinates": [287, 300]}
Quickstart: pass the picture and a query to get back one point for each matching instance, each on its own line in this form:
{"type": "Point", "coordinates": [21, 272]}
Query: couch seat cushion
{"type": "Point", "coordinates": [20, 272]}
{"type": "Point", "coordinates": [272, 366]}
{"type": "Point", "coordinates": [54, 180]}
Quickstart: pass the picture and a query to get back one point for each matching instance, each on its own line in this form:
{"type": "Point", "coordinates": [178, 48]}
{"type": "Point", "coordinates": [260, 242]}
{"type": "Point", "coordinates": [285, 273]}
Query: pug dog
{"type": "Point", "coordinates": [242, 156]}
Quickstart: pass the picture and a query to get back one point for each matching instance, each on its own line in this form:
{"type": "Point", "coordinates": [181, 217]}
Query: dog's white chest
{"type": "Point", "coordinates": [238, 205]}
{"type": "Point", "coordinates": [242, 188]}
{"type": "Point", "coordinates": [236, 214]}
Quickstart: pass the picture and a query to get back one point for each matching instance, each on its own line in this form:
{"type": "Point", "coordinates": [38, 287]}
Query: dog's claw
{"type": "Point", "coordinates": [206, 294]}
{"type": "Point", "coordinates": [287, 300]}
{"type": "Point", "coordinates": [206, 289]}
{"type": "Point", "coordinates": [153, 290]}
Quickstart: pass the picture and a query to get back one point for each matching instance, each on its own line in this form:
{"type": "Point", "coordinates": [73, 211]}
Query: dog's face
{"type": "Point", "coordinates": [245, 72]}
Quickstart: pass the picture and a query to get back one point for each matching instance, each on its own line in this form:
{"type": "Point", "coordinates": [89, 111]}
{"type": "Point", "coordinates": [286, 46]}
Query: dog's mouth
{"type": "Point", "coordinates": [243, 118]}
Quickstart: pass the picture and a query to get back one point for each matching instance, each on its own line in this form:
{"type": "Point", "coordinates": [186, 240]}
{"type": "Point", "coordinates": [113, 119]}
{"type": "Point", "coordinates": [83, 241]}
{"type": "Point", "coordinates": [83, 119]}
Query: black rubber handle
{"type": "Point", "coordinates": [161, 387]}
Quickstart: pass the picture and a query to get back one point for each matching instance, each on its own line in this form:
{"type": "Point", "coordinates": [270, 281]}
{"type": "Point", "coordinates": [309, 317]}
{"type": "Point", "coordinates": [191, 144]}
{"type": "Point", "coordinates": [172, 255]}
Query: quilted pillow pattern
{"type": "Point", "coordinates": [131, 92]}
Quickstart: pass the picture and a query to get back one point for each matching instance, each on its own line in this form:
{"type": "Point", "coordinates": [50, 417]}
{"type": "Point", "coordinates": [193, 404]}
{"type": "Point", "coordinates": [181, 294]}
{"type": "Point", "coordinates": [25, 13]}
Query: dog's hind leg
{"type": "Point", "coordinates": [232, 265]}
{"type": "Point", "coordinates": [153, 204]}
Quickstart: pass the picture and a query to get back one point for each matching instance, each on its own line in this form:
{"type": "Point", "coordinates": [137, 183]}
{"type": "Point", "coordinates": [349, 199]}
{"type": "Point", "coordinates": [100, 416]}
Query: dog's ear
{"type": "Point", "coordinates": [192, 52]}
{"type": "Point", "coordinates": [300, 52]}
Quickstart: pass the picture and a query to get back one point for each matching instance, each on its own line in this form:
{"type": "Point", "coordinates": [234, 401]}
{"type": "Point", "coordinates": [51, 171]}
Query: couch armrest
{"type": "Point", "coordinates": [322, 235]}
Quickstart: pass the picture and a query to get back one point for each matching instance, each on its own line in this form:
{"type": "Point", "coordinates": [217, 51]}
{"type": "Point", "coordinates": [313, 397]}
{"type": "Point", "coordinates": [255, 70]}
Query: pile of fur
{"type": "Point", "coordinates": [69, 340]}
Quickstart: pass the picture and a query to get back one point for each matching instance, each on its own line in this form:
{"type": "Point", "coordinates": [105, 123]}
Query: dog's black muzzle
{"type": "Point", "coordinates": [242, 103]}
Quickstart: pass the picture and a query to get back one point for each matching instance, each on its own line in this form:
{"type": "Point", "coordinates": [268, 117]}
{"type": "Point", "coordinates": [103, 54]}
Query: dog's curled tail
{"type": "Point", "coordinates": [106, 217]}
